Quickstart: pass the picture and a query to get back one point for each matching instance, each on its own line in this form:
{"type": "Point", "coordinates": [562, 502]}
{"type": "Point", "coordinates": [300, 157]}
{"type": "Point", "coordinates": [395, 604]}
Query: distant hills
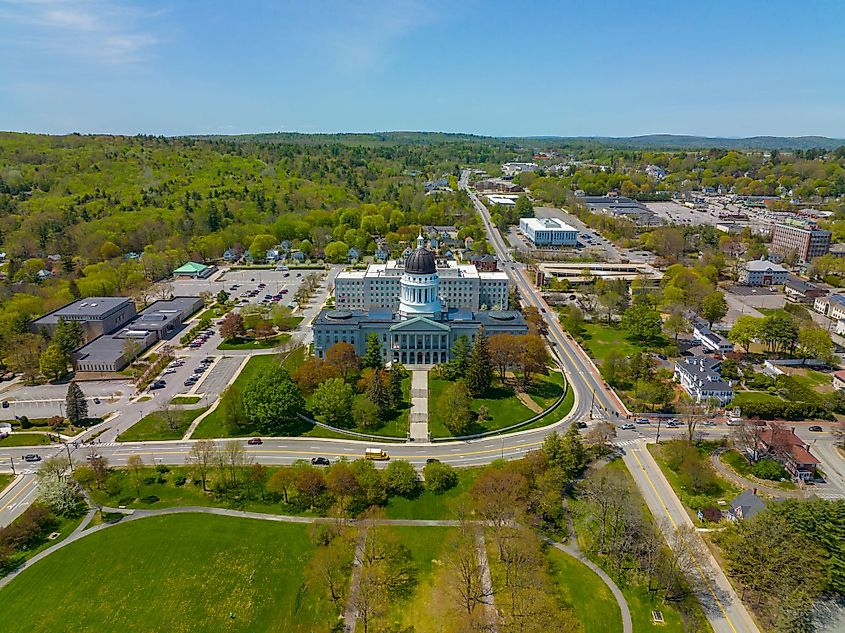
{"type": "Point", "coordinates": [681, 141]}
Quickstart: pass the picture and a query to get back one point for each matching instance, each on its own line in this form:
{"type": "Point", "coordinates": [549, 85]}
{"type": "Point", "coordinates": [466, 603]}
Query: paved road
{"type": "Point", "coordinates": [17, 497]}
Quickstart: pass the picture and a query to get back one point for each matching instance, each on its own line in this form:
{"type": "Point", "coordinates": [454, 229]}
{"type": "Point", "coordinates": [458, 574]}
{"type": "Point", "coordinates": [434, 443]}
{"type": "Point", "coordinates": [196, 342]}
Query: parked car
{"type": "Point", "coordinates": [169, 370]}
{"type": "Point", "coordinates": [96, 401]}
{"type": "Point", "coordinates": [5, 404]}
{"type": "Point", "coordinates": [320, 461]}
{"type": "Point", "coordinates": [158, 384]}
{"type": "Point", "coordinates": [815, 428]}
{"type": "Point", "coordinates": [32, 457]}
{"type": "Point", "coordinates": [190, 382]}
{"type": "Point", "coordinates": [93, 456]}
{"type": "Point", "coordinates": [581, 425]}
{"type": "Point", "coordinates": [254, 441]}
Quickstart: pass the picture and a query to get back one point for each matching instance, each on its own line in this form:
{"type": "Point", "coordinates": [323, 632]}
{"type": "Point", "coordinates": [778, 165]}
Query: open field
{"type": "Point", "coordinates": [178, 573]}
{"type": "Point", "coordinates": [743, 397]}
{"type": "Point", "coordinates": [185, 400]}
{"type": "Point", "coordinates": [429, 505]}
{"type": "Point", "coordinates": [599, 339]}
{"type": "Point", "coordinates": [590, 598]}
{"type": "Point", "coordinates": [155, 426]}
{"type": "Point", "coordinates": [252, 343]}
{"type": "Point", "coordinates": [25, 439]}
{"type": "Point", "coordinates": [5, 480]}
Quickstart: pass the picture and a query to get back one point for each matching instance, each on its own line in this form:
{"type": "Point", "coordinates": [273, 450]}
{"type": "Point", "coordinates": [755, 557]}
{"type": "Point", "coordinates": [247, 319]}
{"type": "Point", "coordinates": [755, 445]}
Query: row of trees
{"type": "Point", "coordinates": [785, 333]}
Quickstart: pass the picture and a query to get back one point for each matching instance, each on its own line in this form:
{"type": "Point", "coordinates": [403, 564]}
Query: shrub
{"type": "Point", "coordinates": [401, 479]}
{"type": "Point", "coordinates": [24, 422]}
{"type": "Point", "coordinates": [768, 468]}
{"type": "Point", "coordinates": [151, 499]}
{"type": "Point", "coordinates": [125, 501]}
{"type": "Point", "coordinates": [162, 468]}
{"type": "Point", "coordinates": [439, 477]}
{"type": "Point", "coordinates": [179, 480]}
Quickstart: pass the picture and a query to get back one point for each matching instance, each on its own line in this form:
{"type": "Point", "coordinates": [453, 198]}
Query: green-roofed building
{"type": "Point", "coordinates": [194, 270]}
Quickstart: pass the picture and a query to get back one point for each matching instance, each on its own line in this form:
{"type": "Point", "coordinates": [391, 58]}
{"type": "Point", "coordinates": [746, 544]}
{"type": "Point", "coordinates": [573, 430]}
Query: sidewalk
{"type": "Point", "coordinates": [419, 406]}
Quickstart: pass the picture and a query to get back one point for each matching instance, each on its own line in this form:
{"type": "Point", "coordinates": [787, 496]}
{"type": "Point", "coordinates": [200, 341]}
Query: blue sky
{"type": "Point", "coordinates": [563, 67]}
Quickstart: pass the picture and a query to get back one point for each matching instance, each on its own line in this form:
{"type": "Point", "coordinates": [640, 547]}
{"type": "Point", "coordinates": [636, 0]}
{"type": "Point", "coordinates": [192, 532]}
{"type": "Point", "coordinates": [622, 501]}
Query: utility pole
{"type": "Point", "coordinates": [12, 462]}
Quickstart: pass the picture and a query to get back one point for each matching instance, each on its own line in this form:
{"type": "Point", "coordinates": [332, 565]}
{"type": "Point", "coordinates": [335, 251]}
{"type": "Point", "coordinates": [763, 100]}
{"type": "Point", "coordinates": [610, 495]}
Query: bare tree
{"type": "Point", "coordinates": [168, 415]}
{"type": "Point", "coordinates": [135, 465]}
{"type": "Point", "coordinates": [201, 458]}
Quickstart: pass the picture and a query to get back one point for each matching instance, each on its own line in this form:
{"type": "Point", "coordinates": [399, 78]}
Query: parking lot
{"type": "Point", "coordinates": [240, 283]}
{"type": "Point", "coordinates": [589, 241]}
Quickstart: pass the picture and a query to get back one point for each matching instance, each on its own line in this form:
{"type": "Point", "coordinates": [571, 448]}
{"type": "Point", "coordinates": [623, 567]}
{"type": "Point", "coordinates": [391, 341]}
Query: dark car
{"type": "Point", "coordinates": [581, 425]}
{"type": "Point", "coordinates": [320, 461]}
{"type": "Point", "coordinates": [432, 460]}
{"type": "Point", "coordinates": [157, 385]}
{"type": "Point", "coordinates": [190, 382]}
{"type": "Point", "coordinates": [32, 457]}
{"type": "Point", "coordinates": [5, 404]}
{"type": "Point", "coordinates": [254, 441]}
{"type": "Point", "coordinates": [816, 428]}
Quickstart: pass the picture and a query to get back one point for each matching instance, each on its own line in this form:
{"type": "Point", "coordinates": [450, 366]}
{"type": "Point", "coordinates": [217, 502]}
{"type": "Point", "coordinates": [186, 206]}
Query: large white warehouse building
{"type": "Point", "coordinates": [548, 232]}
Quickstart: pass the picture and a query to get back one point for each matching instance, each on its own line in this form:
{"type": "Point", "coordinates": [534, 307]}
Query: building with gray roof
{"type": "Point", "coordinates": [97, 315]}
{"type": "Point", "coordinates": [701, 378]}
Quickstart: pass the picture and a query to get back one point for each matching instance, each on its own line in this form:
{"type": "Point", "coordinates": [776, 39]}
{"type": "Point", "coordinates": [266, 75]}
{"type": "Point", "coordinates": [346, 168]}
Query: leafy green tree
{"type": "Point", "coordinates": [222, 297]}
{"type": "Point", "coordinates": [676, 324]}
{"type": "Point", "coordinates": [332, 402]}
{"type": "Point", "coordinates": [397, 375]}
{"type": "Point", "coordinates": [53, 363]}
{"type": "Point", "coordinates": [615, 368]}
{"type": "Point", "coordinates": [479, 375]}
{"type": "Point", "coordinates": [336, 252]}
{"type": "Point", "coordinates": [272, 400]}
{"type": "Point", "coordinates": [68, 336]}
{"type": "Point", "coordinates": [780, 332]}
{"type": "Point", "coordinates": [365, 414]}
{"type": "Point", "coordinates": [231, 408]}
{"type": "Point", "coordinates": [815, 342]}
{"type": "Point", "coordinates": [372, 353]}
{"type": "Point", "coordinates": [746, 329]}
{"type": "Point", "coordinates": [260, 245]}
{"type": "Point", "coordinates": [454, 408]}
{"type": "Point", "coordinates": [524, 208]}
{"type": "Point", "coordinates": [642, 322]}
{"type": "Point", "coordinates": [714, 307]}
{"type": "Point", "coordinates": [566, 453]}
{"type": "Point", "coordinates": [439, 477]}
{"type": "Point", "coordinates": [401, 479]}
{"type": "Point", "coordinates": [76, 406]}
{"type": "Point", "coordinates": [459, 361]}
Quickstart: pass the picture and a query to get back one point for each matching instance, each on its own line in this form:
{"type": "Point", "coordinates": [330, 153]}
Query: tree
{"type": "Point", "coordinates": [378, 393]}
{"type": "Point", "coordinates": [53, 363]}
{"type": "Point", "coordinates": [459, 358]}
{"type": "Point", "coordinates": [814, 342]}
{"type": "Point", "coordinates": [615, 368]}
{"type": "Point", "coordinates": [343, 483]}
{"type": "Point", "coordinates": [523, 207]}
{"type": "Point", "coordinates": [365, 414]}
{"type": "Point", "coordinates": [439, 477]}
{"type": "Point", "coordinates": [59, 492]}
{"type": "Point", "coordinates": [612, 302]}
{"type": "Point", "coordinates": [654, 392]}
{"type": "Point", "coordinates": [135, 466]}
{"type": "Point", "coordinates": [23, 354]}
{"type": "Point", "coordinates": [312, 373]}
{"type": "Point", "coordinates": [780, 332]}
{"type": "Point", "coordinates": [200, 458]}
{"type": "Point", "coordinates": [504, 352]}
{"type": "Point", "coordinates": [600, 437]}
{"type": "Point", "coordinates": [396, 376]}
{"type": "Point", "coordinates": [336, 252]}
{"type": "Point", "coordinates": [642, 322]}
{"type": "Point", "coordinates": [281, 482]}
{"type": "Point", "coordinates": [533, 356]}
{"type": "Point", "coordinates": [746, 329]}
{"type": "Point", "coordinates": [232, 327]}
{"type": "Point", "coordinates": [372, 353]}
{"type": "Point", "coordinates": [263, 329]}
{"type": "Point", "coordinates": [401, 479]}
{"type": "Point", "coordinates": [76, 406]}
{"type": "Point", "coordinates": [309, 482]}
{"type": "Point", "coordinates": [272, 400]}
{"type": "Point", "coordinates": [714, 307]}
{"type": "Point", "coordinates": [332, 402]}
{"type": "Point", "coordinates": [479, 375]}
{"type": "Point", "coordinates": [131, 347]}
{"type": "Point", "coordinates": [231, 408]}
{"type": "Point", "coordinates": [676, 324]}
{"type": "Point", "coordinates": [454, 408]}
{"type": "Point", "coordinates": [68, 336]}
{"type": "Point", "coordinates": [566, 453]}
{"type": "Point", "coordinates": [342, 357]}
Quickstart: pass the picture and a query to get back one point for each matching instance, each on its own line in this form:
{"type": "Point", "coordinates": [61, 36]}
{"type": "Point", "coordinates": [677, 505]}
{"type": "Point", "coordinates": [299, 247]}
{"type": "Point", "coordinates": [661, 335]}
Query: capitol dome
{"type": "Point", "coordinates": [421, 262]}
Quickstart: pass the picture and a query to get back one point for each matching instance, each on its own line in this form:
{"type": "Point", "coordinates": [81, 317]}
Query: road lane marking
{"type": "Point", "coordinates": [678, 531]}
{"type": "Point", "coordinates": [25, 486]}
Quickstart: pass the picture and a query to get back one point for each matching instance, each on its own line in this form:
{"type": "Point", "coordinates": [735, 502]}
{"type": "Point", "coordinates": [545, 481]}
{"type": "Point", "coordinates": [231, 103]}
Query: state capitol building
{"type": "Point", "coordinates": [417, 308]}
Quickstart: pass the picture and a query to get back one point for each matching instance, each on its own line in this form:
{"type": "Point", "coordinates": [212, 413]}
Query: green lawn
{"type": "Point", "coordinates": [504, 408]}
{"type": "Point", "coordinates": [25, 439]}
{"type": "Point", "coordinates": [429, 505]}
{"type": "Point", "coordinates": [289, 323]}
{"type": "Point", "coordinates": [599, 339]}
{"type": "Point", "coordinates": [555, 416]}
{"type": "Point", "coordinates": [743, 397]}
{"type": "Point", "coordinates": [154, 426]}
{"type": "Point", "coordinates": [185, 400]}
{"type": "Point", "coordinates": [5, 480]}
{"type": "Point", "coordinates": [591, 599]}
{"type": "Point", "coordinates": [742, 467]}
{"type": "Point", "coordinates": [188, 572]}
{"type": "Point", "coordinates": [812, 379]}
{"type": "Point", "coordinates": [420, 610]}
{"type": "Point", "coordinates": [251, 343]}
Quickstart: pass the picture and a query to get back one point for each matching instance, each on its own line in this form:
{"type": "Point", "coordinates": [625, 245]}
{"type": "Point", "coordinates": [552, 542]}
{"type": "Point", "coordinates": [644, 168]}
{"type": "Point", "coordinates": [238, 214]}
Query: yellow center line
{"type": "Point", "coordinates": [12, 500]}
{"type": "Point", "coordinates": [694, 557]}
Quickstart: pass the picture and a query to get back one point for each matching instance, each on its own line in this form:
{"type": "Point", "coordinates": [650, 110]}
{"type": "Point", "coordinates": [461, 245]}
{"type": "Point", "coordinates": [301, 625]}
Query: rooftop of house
{"type": "Point", "coordinates": [750, 503]}
{"type": "Point", "coordinates": [763, 265]}
{"type": "Point", "coordinates": [799, 285]}
{"type": "Point", "coordinates": [705, 371]}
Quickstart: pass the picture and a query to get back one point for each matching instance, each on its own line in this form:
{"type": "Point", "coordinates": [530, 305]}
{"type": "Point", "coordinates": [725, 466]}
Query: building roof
{"type": "Point", "coordinates": [547, 224]}
{"type": "Point", "coordinates": [190, 268]}
{"type": "Point", "coordinates": [421, 262]}
{"type": "Point", "coordinates": [705, 371]}
{"type": "Point", "coordinates": [749, 503]}
{"type": "Point", "coordinates": [840, 375]}
{"type": "Point", "coordinates": [90, 308]}
{"type": "Point", "coordinates": [785, 439]}
{"type": "Point", "coordinates": [799, 285]}
{"type": "Point", "coordinates": [763, 265]}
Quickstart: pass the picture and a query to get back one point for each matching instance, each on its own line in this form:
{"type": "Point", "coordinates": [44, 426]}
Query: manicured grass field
{"type": "Point", "coordinates": [743, 397]}
{"type": "Point", "coordinates": [25, 439]}
{"type": "Point", "coordinates": [429, 505]}
{"type": "Point", "coordinates": [557, 415]}
{"type": "Point", "coordinates": [813, 380]}
{"type": "Point", "coordinates": [504, 408]}
{"type": "Point", "coordinates": [599, 339]}
{"type": "Point", "coordinates": [185, 400]}
{"type": "Point", "coordinates": [187, 572]}
{"type": "Point", "coordinates": [591, 599]}
{"type": "Point", "coordinates": [421, 609]}
{"type": "Point", "coordinates": [154, 426]}
{"type": "Point", "coordinates": [251, 343]}
{"type": "Point", "coordinates": [5, 480]}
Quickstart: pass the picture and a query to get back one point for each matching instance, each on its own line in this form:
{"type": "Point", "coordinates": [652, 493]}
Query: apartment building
{"type": "Point", "coordinates": [804, 238]}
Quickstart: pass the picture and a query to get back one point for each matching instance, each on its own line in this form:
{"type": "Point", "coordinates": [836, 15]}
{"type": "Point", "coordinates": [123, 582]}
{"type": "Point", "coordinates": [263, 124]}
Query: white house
{"type": "Point", "coordinates": [761, 272]}
{"type": "Point", "coordinates": [700, 378]}
{"type": "Point", "coordinates": [710, 340]}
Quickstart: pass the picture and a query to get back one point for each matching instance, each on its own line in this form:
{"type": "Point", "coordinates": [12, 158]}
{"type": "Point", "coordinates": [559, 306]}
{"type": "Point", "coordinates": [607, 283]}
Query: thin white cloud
{"type": "Point", "coordinates": [102, 30]}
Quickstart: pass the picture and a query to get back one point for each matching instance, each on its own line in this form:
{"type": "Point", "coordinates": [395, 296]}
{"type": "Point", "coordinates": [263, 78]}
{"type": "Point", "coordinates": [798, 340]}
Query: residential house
{"type": "Point", "coordinates": [760, 272]}
{"type": "Point", "coordinates": [789, 449]}
{"type": "Point", "coordinates": [745, 506]}
{"type": "Point", "coordinates": [44, 274]}
{"type": "Point", "coordinates": [231, 255]}
{"type": "Point", "coordinates": [832, 306]}
{"type": "Point", "coordinates": [468, 242]}
{"type": "Point", "coordinates": [353, 255]}
{"type": "Point", "coordinates": [710, 340]}
{"type": "Point", "coordinates": [801, 291]}
{"type": "Point", "coordinates": [381, 254]}
{"type": "Point", "coordinates": [298, 256]}
{"type": "Point", "coordinates": [839, 380]}
{"type": "Point", "coordinates": [272, 255]}
{"type": "Point", "coordinates": [701, 378]}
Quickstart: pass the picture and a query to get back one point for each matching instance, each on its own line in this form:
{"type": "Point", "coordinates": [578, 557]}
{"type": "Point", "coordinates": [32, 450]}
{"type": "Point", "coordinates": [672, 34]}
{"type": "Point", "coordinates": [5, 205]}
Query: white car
{"type": "Point", "coordinates": [169, 370]}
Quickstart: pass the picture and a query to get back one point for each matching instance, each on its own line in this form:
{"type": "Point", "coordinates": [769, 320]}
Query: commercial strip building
{"type": "Point", "coordinates": [96, 315]}
{"type": "Point", "coordinates": [548, 232]}
{"type": "Point", "coordinates": [108, 353]}
{"type": "Point", "coordinates": [421, 329]}
{"type": "Point", "coordinates": [761, 272]}
{"type": "Point", "coordinates": [506, 201]}
{"type": "Point", "coordinates": [512, 169]}
{"type": "Point", "coordinates": [460, 286]}
{"type": "Point", "coordinates": [622, 208]}
{"type": "Point", "coordinates": [801, 237]}
{"type": "Point", "coordinates": [701, 378]}
{"type": "Point", "coordinates": [586, 272]}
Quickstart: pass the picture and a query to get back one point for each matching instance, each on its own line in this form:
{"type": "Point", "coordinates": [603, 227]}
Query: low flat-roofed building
{"type": "Point", "coordinates": [832, 306]}
{"type": "Point", "coordinates": [801, 291]}
{"type": "Point", "coordinates": [586, 272]}
{"type": "Point", "coordinates": [548, 232]}
{"type": "Point", "coordinates": [508, 201]}
{"type": "Point", "coordinates": [97, 315]}
{"type": "Point", "coordinates": [623, 208]}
